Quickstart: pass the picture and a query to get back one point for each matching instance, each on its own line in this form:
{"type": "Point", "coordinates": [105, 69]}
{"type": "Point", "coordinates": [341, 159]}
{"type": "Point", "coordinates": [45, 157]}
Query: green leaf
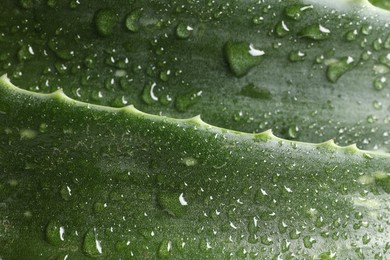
{"type": "Point", "coordinates": [84, 174]}
{"type": "Point", "coordinates": [55, 44]}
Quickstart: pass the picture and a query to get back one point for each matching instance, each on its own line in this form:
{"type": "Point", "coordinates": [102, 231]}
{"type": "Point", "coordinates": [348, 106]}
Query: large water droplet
{"type": "Point", "coordinates": [315, 32]}
{"type": "Point", "coordinates": [336, 69]}
{"type": "Point", "coordinates": [281, 29]}
{"type": "Point", "coordinates": [91, 245]}
{"type": "Point", "coordinates": [55, 234]}
{"type": "Point", "coordinates": [105, 21]}
{"type": "Point", "coordinates": [148, 93]}
{"type": "Point", "coordinates": [295, 11]}
{"type": "Point", "coordinates": [241, 57]}
{"type": "Point", "coordinates": [165, 249]}
{"type": "Point", "coordinates": [132, 20]}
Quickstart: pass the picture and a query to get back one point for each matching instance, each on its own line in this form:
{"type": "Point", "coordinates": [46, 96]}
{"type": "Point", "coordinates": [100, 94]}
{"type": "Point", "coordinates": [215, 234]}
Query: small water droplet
{"type": "Point", "coordinates": [379, 83]}
{"type": "Point", "coordinates": [184, 101]}
{"type": "Point", "coordinates": [336, 69]}
{"type": "Point", "coordinates": [351, 35]}
{"type": "Point", "coordinates": [184, 31]}
{"type": "Point", "coordinates": [132, 20]}
{"type": "Point", "coordinates": [105, 21]}
{"type": "Point", "coordinates": [293, 131]}
{"type": "Point", "coordinates": [295, 56]}
{"type": "Point", "coordinates": [308, 241]}
{"type": "Point", "coordinates": [372, 119]}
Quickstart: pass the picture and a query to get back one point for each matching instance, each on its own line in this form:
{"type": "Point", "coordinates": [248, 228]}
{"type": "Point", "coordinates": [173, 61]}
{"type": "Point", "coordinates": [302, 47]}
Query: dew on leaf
{"type": "Point", "coordinates": [351, 35]}
{"type": "Point", "coordinates": [315, 32]}
{"type": "Point", "coordinates": [66, 192]}
{"type": "Point", "coordinates": [105, 21]}
{"type": "Point", "coordinates": [293, 131]}
{"type": "Point", "coordinates": [55, 233]}
{"type": "Point", "coordinates": [379, 83]}
{"type": "Point", "coordinates": [281, 29]}
{"type": "Point", "coordinates": [173, 203]}
{"type": "Point", "coordinates": [295, 56]}
{"type": "Point", "coordinates": [91, 245]}
{"type": "Point", "coordinates": [242, 57]}
{"type": "Point", "coordinates": [371, 119]}
{"type": "Point", "coordinates": [132, 20]}
{"type": "Point", "coordinates": [148, 93]}
{"type": "Point", "coordinates": [183, 31]}
{"type": "Point", "coordinates": [296, 11]}
{"type": "Point", "coordinates": [165, 249]}
{"type": "Point", "coordinates": [336, 69]}
{"type": "Point", "coordinates": [184, 101]}
{"type": "Point", "coordinates": [377, 44]}
{"type": "Point", "coordinates": [308, 241]}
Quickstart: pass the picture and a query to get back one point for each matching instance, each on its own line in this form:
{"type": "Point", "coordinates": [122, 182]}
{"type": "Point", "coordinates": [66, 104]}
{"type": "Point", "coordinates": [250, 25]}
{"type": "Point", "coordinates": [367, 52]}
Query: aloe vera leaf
{"type": "Point", "coordinates": [80, 180]}
{"type": "Point", "coordinates": [178, 47]}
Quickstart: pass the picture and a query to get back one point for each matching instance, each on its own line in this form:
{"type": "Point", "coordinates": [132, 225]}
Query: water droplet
{"type": "Point", "coordinates": [265, 240]}
{"type": "Point", "coordinates": [385, 59]}
{"type": "Point", "coordinates": [172, 203]}
{"type": "Point", "coordinates": [295, 56]}
{"type": "Point", "coordinates": [293, 131]}
{"type": "Point", "coordinates": [91, 245]}
{"type": "Point", "coordinates": [242, 57]}
{"type": "Point", "coordinates": [74, 4]}
{"type": "Point", "coordinates": [308, 241]}
{"type": "Point", "coordinates": [132, 20]}
{"type": "Point", "coordinates": [377, 44]}
{"type": "Point", "coordinates": [315, 32]}
{"type": "Point", "coordinates": [366, 239]}
{"type": "Point", "coordinates": [186, 100]}
{"type": "Point", "coordinates": [336, 69]}
{"type": "Point", "coordinates": [281, 29]}
{"type": "Point", "coordinates": [26, 134]}
{"type": "Point", "coordinates": [66, 192]}
{"type": "Point", "coordinates": [351, 35]}
{"type": "Point", "coordinates": [105, 21]}
{"type": "Point", "coordinates": [366, 29]}
{"type": "Point", "coordinates": [165, 249]}
{"type": "Point", "coordinates": [387, 42]}
{"type": "Point", "coordinates": [295, 11]}
{"type": "Point", "coordinates": [377, 105]}
{"type": "Point", "coordinates": [148, 93]}
{"type": "Point", "coordinates": [371, 119]}
{"type": "Point", "coordinates": [379, 83]}
{"type": "Point", "coordinates": [52, 3]}
{"type": "Point", "coordinates": [183, 31]}
{"type": "Point", "coordinates": [55, 234]}
{"type": "Point", "coordinates": [25, 52]}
